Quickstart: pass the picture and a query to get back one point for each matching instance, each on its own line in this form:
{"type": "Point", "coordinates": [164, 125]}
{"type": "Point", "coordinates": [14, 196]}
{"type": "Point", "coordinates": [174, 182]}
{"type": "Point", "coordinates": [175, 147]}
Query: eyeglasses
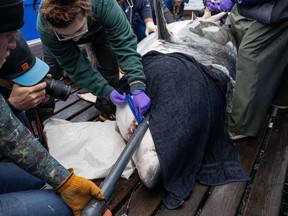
{"type": "Point", "coordinates": [62, 38]}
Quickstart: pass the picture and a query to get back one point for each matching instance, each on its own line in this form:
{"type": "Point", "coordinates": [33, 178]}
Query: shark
{"type": "Point", "coordinates": [211, 44]}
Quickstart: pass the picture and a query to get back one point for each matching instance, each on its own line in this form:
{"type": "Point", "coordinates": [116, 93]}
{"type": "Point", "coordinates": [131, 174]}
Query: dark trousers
{"type": "Point", "coordinates": [21, 194]}
{"type": "Point", "coordinates": [107, 62]}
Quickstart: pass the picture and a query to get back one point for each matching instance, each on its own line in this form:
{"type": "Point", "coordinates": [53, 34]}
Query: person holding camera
{"type": "Point", "coordinates": [22, 94]}
{"type": "Point", "coordinates": [27, 93]}
{"type": "Point", "coordinates": [101, 24]}
{"type": "Point", "coordinates": [25, 165]}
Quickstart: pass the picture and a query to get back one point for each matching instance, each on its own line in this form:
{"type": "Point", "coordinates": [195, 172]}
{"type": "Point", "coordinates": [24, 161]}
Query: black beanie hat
{"type": "Point", "coordinates": [11, 15]}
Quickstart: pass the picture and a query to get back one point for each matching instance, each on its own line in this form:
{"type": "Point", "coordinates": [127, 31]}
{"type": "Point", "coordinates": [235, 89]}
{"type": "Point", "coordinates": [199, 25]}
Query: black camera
{"type": "Point", "coordinates": [57, 89]}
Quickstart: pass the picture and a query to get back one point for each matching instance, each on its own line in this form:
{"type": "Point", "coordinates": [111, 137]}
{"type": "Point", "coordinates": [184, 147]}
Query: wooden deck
{"type": "Point", "coordinates": [264, 157]}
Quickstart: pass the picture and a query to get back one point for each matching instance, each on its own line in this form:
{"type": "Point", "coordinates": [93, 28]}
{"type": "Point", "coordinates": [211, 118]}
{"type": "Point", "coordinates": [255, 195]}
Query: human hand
{"type": "Point", "coordinates": [141, 101]}
{"type": "Point", "coordinates": [213, 6]}
{"type": "Point", "coordinates": [226, 5]}
{"type": "Point", "coordinates": [27, 97]}
{"type": "Point", "coordinates": [77, 191]}
{"type": "Point", "coordinates": [150, 27]}
{"type": "Point", "coordinates": [223, 5]}
{"type": "Point", "coordinates": [117, 98]}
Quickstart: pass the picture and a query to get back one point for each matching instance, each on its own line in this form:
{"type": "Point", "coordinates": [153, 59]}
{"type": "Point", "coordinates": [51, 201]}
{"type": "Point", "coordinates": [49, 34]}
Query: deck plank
{"type": "Point", "coordinates": [193, 205]}
{"type": "Point", "coordinates": [226, 199]}
{"type": "Point", "coordinates": [72, 111]}
{"type": "Point", "coordinates": [266, 193]}
{"type": "Point", "coordinates": [122, 192]}
{"type": "Point", "coordinates": [62, 105]}
{"type": "Point", "coordinates": [90, 114]}
{"type": "Point", "coordinates": [267, 187]}
{"type": "Point", "coordinates": [143, 202]}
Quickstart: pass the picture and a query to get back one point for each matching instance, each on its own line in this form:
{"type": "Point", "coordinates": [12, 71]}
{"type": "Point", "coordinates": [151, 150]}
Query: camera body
{"type": "Point", "coordinates": [57, 89]}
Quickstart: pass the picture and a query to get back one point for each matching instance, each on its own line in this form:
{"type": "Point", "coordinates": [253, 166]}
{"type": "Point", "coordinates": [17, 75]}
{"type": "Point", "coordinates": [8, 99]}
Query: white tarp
{"type": "Point", "coordinates": [91, 148]}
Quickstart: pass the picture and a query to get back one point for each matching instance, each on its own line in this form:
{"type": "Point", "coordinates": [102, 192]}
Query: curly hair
{"type": "Point", "coordinates": [61, 13]}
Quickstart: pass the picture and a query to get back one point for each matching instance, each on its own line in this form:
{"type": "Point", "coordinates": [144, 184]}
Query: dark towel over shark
{"type": "Point", "coordinates": [187, 125]}
{"type": "Point", "coordinates": [189, 76]}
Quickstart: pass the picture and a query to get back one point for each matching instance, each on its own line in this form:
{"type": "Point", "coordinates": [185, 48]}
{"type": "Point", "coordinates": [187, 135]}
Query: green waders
{"type": "Point", "coordinates": [262, 72]}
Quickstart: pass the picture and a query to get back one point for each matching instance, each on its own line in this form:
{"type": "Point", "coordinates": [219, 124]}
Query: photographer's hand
{"type": "Point", "coordinates": [24, 98]}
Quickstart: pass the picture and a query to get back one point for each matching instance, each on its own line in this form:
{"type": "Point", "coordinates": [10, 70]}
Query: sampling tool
{"type": "Point", "coordinates": [94, 207]}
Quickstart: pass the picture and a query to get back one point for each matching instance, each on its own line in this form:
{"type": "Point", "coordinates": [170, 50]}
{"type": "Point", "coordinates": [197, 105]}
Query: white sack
{"type": "Point", "coordinates": [91, 148]}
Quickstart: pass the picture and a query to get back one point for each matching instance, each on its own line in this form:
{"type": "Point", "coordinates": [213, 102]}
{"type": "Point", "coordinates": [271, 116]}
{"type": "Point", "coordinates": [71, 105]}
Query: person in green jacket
{"type": "Point", "coordinates": [63, 25]}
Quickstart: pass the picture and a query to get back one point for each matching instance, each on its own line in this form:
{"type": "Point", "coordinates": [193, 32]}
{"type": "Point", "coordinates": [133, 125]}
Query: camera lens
{"type": "Point", "coordinates": [57, 89]}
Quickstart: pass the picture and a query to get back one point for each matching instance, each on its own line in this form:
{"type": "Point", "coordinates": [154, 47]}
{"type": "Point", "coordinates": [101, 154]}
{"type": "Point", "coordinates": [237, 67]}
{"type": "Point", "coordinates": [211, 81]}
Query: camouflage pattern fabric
{"type": "Point", "coordinates": [20, 146]}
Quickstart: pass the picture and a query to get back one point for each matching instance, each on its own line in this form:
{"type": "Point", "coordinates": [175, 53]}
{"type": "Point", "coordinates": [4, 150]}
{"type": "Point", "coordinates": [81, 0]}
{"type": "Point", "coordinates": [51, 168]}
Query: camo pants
{"type": "Point", "coordinates": [261, 74]}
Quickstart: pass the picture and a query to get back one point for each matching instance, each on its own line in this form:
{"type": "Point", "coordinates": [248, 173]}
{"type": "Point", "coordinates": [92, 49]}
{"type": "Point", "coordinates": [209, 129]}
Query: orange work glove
{"type": "Point", "coordinates": [77, 191]}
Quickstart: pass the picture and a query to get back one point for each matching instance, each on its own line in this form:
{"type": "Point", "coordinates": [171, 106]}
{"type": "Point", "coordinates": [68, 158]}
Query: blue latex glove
{"type": "Point", "coordinates": [117, 98]}
{"type": "Point", "coordinates": [226, 5]}
{"type": "Point", "coordinates": [213, 6]}
{"type": "Point", "coordinates": [141, 101]}
{"type": "Point", "coordinates": [223, 5]}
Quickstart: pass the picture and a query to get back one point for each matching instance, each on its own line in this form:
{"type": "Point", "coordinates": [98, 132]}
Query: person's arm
{"type": "Point", "coordinates": [144, 9]}
{"type": "Point", "coordinates": [75, 63]}
{"type": "Point", "coordinates": [123, 41]}
{"type": "Point", "coordinates": [19, 145]}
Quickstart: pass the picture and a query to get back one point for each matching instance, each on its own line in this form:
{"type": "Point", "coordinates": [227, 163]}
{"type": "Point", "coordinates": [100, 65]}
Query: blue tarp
{"type": "Point", "coordinates": [29, 31]}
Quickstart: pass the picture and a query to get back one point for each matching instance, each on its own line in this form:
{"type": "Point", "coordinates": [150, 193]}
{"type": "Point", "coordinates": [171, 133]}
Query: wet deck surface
{"type": "Point", "coordinates": [264, 158]}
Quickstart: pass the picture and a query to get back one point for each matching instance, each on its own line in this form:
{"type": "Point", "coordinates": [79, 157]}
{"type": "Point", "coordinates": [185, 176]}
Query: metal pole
{"type": "Point", "coordinates": [95, 206]}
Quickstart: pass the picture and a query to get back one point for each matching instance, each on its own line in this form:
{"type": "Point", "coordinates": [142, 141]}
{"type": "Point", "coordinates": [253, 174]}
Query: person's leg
{"type": "Point", "coordinates": [138, 27]}
{"type": "Point", "coordinates": [33, 202]}
{"type": "Point", "coordinates": [239, 25]}
{"type": "Point", "coordinates": [106, 58]}
{"type": "Point", "coordinates": [13, 178]}
{"type": "Point", "coordinates": [107, 64]}
{"type": "Point", "coordinates": [261, 65]}
{"type": "Point", "coordinates": [153, 11]}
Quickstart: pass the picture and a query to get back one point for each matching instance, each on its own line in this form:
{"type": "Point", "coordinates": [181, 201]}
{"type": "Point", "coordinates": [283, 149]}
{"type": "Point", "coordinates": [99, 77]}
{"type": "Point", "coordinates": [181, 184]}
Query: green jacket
{"type": "Point", "coordinates": [78, 67]}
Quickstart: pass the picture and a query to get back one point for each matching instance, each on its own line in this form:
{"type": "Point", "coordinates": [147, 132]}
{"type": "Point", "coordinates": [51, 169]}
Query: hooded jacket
{"type": "Point", "coordinates": [78, 67]}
